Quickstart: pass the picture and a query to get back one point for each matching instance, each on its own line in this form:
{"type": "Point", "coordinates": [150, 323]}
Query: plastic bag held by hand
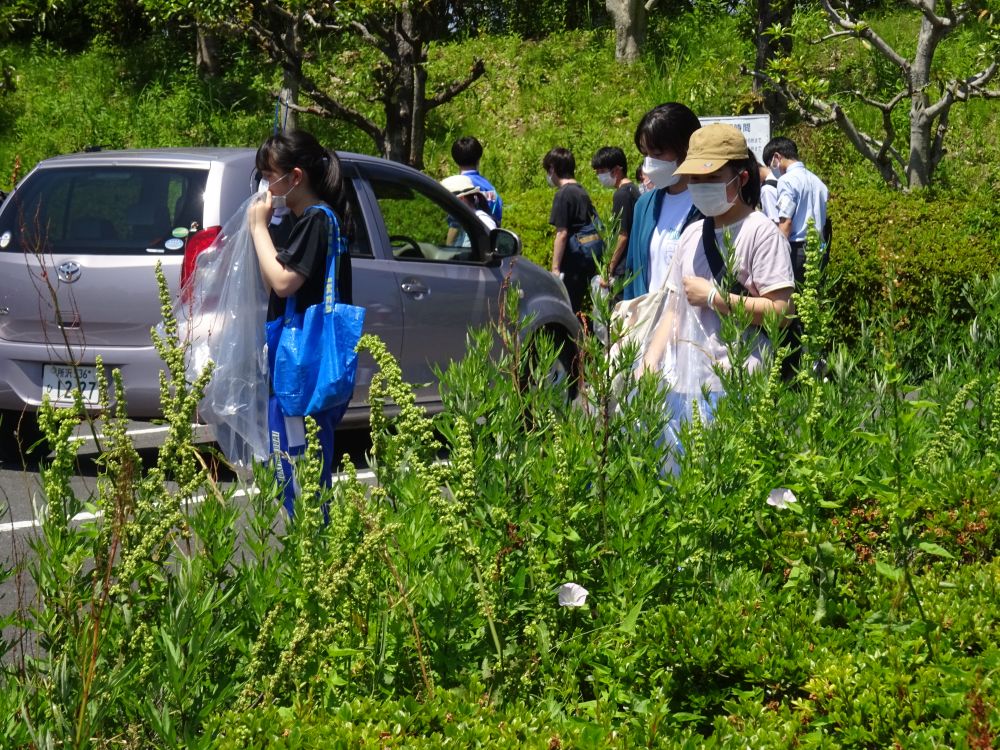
{"type": "Point", "coordinates": [221, 314]}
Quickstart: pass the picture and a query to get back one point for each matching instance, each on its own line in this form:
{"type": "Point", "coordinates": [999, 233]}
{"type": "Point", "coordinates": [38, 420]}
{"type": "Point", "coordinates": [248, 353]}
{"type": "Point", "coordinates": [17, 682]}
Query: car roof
{"type": "Point", "coordinates": [149, 156]}
{"type": "Point", "coordinates": [193, 154]}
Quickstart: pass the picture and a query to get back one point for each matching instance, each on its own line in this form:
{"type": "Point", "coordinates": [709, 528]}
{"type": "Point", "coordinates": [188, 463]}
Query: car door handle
{"type": "Point", "coordinates": [413, 287]}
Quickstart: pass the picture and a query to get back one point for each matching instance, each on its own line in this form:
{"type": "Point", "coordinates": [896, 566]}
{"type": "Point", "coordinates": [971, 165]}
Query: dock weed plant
{"type": "Point", "coordinates": [819, 570]}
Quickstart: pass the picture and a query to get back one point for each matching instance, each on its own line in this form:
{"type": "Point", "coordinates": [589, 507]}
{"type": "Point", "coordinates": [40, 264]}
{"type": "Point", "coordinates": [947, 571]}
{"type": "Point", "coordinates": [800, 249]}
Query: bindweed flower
{"type": "Point", "coordinates": [572, 595]}
{"type": "Point", "coordinates": [781, 498]}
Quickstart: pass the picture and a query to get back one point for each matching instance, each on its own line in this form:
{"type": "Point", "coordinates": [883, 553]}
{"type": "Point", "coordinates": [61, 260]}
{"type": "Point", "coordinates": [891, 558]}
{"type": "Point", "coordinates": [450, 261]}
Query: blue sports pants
{"type": "Point", "coordinates": [288, 441]}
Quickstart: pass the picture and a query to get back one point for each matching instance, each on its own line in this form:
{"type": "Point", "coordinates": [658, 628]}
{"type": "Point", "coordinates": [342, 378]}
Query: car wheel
{"type": "Point", "coordinates": [563, 369]}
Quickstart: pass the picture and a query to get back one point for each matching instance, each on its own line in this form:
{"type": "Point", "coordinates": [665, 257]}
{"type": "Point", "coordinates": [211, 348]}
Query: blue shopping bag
{"type": "Point", "coordinates": [312, 352]}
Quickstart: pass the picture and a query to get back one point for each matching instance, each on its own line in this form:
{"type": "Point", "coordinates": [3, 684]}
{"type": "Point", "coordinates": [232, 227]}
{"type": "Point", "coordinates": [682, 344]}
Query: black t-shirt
{"type": "Point", "coordinates": [623, 205]}
{"type": "Point", "coordinates": [571, 208]}
{"type": "Point", "coordinates": [302, 246]}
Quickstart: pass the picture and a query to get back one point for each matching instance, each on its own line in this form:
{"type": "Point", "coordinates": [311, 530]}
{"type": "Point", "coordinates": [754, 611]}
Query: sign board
{"type": "Point", "coordinates": [755, 128]}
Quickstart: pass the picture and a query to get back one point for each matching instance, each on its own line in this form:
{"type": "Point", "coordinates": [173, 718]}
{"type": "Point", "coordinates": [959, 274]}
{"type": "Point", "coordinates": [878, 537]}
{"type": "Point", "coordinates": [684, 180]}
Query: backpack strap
{"type": "Point", "coordinates": [772, 182]}
{"type": "Point", "coordinates": [716, 263]}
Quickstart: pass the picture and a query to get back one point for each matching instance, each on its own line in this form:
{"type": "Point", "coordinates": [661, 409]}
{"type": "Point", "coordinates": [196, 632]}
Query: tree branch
{"type": "Point", "coordinates": [818, 112]}
{"type": "Point", "coordinates": [832, 35]}
{"type": "Point", "coordinates": [864, 31]}
{"type": "Point", "coordinates": [968, 88]}
{"type": "Point", "coordinates": [939, 22]}
{"type": "Point", "coordinates": [456, 88]}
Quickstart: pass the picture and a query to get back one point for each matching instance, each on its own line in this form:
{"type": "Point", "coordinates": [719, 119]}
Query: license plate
{"type": "Point", "coordinates": [59, 382]}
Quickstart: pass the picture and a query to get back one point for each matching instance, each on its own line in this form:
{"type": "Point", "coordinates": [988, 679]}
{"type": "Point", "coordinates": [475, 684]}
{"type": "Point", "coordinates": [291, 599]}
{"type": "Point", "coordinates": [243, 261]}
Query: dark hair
{"type": "Point", "coordinates": [750, 193]}
{"type": "Point", "coordinates": [608, 158]}
{"type": "Point", "coordinates": [667, 126]}
{"type": "Point", "coordinates": [282, 152]}
{"type": "Point", "coordinates": [467, 151]}
{"type": "Point", "coordinates": [784, 146]}
{"type": "Point", "coordinates": [561, 161]}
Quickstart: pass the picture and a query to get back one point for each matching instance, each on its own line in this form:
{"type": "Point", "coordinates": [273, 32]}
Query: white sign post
{"type": "Point", "coordinates": [755, 128]}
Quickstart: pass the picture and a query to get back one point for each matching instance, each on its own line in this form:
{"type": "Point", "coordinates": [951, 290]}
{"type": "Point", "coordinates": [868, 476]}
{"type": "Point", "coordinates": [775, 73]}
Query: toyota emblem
{"type": "Point", "coordinates": [68, 271]}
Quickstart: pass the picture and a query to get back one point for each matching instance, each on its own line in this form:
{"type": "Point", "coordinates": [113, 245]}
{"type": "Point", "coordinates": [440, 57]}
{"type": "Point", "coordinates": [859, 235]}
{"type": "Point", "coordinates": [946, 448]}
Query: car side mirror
{"type": "Point", "coordinates": [504, 243]}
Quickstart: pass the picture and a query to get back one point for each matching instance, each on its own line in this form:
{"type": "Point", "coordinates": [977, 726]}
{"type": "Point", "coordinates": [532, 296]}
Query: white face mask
{"type": "Point", "coordinates": [710, 197]}
{"type": "Point", "coordinates": [551, 179]}
{"type": "Point", "coordinates": [606, 178]}
{"type": "Point", "coordinates": [279, 203]}
{"type": "Point", "coordinates": [775, 173]}
{"type": "Point", "coordinates": [278, 209]}
{"type": "Point", "coordinates": [776, 166]}
{"type": "Point", "coordinates": [660, 172]}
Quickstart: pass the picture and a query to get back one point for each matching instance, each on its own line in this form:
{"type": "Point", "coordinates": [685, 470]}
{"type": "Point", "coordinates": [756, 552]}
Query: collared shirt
{"type": "Point", "coordinates": [802, 196]}
{"type": "Point", "coordinates": [492, 196]}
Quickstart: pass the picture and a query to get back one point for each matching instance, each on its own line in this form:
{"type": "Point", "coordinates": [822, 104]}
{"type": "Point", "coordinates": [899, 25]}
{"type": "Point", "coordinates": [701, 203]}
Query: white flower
{"type": "Point", "coordinates": [781, 498]}
{"type": "Point", "coordinates": [572, 595]}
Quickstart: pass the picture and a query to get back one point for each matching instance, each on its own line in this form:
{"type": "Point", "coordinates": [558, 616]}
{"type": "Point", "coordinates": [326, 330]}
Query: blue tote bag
{"type": "Point", "coordinates": [312, 352]}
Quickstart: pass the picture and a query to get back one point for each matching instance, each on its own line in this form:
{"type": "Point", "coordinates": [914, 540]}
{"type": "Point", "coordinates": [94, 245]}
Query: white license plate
{"type": "Point", "coordinates": [59, 382]}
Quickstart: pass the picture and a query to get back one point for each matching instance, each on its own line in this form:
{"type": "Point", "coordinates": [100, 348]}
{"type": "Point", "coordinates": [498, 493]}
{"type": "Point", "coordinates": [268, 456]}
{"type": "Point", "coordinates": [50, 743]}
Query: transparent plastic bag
{"type": "Point", "coordinates": [221, 314]}
{"type": "Point", "coordinates": [687, 367]}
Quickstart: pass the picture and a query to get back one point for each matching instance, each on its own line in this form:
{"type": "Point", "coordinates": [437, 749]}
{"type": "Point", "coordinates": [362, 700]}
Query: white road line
{"type": "Point", "coordinates": [12, 526]}
{"type": "Point", "coordinates": [144, 431]}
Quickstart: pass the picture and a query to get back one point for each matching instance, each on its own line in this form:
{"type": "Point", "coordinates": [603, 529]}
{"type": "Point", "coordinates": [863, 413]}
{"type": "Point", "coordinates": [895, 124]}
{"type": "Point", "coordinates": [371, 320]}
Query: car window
{"type": "Point", "coordinates": [105, 210]}
{"type": "Point", "coordinates": [420, 228]}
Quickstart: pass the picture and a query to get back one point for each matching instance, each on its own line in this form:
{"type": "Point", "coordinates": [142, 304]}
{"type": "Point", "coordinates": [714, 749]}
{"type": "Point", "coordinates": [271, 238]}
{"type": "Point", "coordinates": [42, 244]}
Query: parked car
{"type": "Point", "coordinates": [81, 235]}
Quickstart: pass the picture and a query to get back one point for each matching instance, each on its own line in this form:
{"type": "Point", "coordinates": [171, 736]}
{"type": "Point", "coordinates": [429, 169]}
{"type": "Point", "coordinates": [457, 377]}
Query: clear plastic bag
{"type": "Point", "coordinates": [221, 314]}
{"type": "Point", "coordinates": [687, 367]}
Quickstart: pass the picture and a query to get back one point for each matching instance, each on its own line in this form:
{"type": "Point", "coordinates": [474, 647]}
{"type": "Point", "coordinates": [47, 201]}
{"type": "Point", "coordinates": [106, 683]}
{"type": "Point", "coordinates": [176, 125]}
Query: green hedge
{"type": "Point", "coordinates": [932, 244]}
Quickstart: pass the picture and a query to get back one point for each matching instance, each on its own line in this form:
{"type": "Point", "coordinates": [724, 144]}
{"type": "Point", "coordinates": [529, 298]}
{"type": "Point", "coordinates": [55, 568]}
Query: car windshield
{"type": "Point", "coordinates": [113, 210]}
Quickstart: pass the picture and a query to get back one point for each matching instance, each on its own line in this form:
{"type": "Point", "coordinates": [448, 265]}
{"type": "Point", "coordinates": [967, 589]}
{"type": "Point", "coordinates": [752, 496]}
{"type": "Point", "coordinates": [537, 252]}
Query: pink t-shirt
{"type": "Point", "coordinates": [763, 264]}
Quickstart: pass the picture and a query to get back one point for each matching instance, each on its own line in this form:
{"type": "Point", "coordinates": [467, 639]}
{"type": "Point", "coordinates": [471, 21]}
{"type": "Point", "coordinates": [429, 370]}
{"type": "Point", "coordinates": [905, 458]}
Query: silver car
{"type": "Point", "coordinates": [81, 235]}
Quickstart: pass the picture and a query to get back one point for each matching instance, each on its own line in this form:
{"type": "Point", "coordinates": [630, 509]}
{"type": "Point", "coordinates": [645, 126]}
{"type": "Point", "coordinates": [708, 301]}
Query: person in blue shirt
{"type": "Point", "coordinates": [467, 153]}
{"type": "Point", "coordinates": [801, 196]}
{"type": "Point", "coordinates": [660, 215]}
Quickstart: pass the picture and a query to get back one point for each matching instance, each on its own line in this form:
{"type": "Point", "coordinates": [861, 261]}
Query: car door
{"type": "Point", "coordinates": [445, 289]}
{"type": "Point", "coordinates": [373, 287]}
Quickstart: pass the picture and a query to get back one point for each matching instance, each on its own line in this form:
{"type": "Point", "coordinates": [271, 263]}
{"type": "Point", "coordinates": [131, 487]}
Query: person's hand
{"type": "Point", "coordinates": [603, 283]}
{"type": "Point", "coordinates": [697, 290]}
{"type": "Point", "coordinates": [259, 213]}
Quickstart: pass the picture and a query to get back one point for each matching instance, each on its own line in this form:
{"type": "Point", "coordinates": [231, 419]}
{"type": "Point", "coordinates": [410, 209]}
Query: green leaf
{"type": "Point", "coordinates": [935, 549]}
{"type": "Point", "coordinates": [628, 624]}
{"type": "Point", "coordinates": [887, 570]}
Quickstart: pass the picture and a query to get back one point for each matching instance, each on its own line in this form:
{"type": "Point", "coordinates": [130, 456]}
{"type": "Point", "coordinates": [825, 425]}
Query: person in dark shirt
{"type": "Point", "coordinates": [572, 209]}
{"type": "Point", "coordinates": [302, 176]}
{"type": "Point", "coordinates": [611, 167]}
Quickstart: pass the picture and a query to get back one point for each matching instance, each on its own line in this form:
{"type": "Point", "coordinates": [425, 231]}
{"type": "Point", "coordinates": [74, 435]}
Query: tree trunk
{"type": "Point", "coordinates": [629, 17]}
{"type": "Point", "coordinates": [207, 53]}
{"type": "Point", "coordinates": [289, 93]}
{"type": "Point", "coordinates": [770, 12]}
{"type": "Point", "coordinates": [918, 167]}
{"type": "Point", "coordinates": [404, 86]}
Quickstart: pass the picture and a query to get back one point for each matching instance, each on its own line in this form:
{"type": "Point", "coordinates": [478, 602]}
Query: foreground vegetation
{"type": "Point", "coordinates": [820, 572]}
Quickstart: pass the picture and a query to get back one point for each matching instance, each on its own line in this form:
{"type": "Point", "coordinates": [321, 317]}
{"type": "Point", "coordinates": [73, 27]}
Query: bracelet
{"type": "Point", "coordinates": [712, 295]}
